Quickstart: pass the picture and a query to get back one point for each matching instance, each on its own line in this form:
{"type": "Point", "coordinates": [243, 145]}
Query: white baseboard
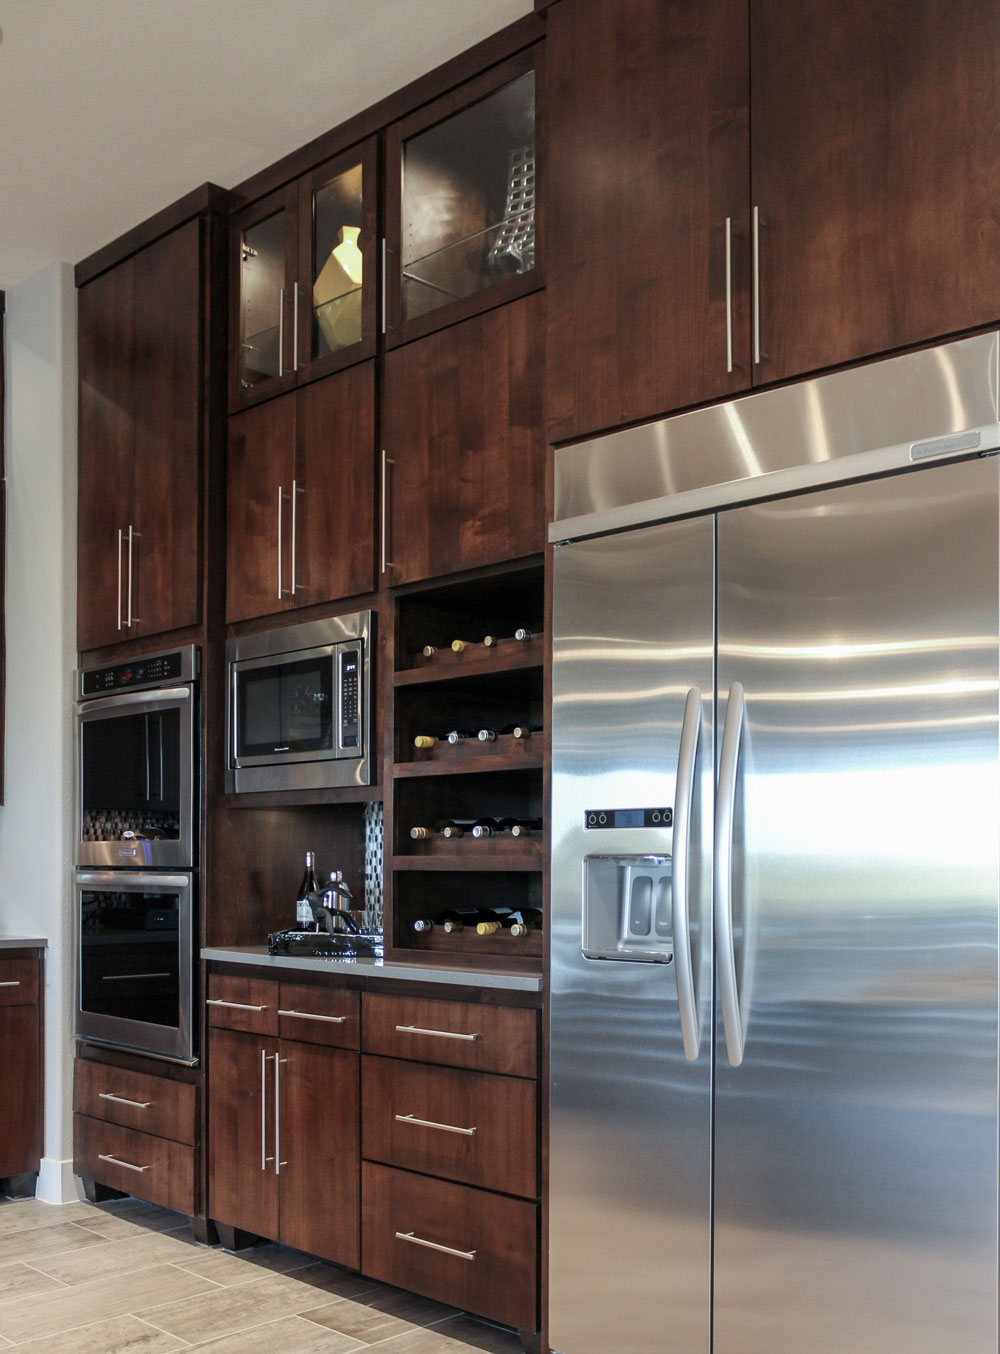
{"type": "Point", "coordinates": [56, 1182]}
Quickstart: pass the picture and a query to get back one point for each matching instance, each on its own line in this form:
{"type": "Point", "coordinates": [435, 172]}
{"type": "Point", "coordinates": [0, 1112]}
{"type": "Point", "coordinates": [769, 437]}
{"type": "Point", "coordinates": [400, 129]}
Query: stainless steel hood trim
{"type": "Point", "coordinates": [871, 420]}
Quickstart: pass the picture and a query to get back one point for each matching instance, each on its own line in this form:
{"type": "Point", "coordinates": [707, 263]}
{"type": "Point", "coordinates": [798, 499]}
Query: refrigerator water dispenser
{"type": "Point", "coordinates": [628, 908]}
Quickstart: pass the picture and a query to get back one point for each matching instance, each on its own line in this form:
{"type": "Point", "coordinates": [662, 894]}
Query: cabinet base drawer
{"type": "Point", "coordinates": [462, 1246]}
{"type": "Point", "coordinates": [150, 1104]}
{"type": "Point", "coordinates": [155, 1169]}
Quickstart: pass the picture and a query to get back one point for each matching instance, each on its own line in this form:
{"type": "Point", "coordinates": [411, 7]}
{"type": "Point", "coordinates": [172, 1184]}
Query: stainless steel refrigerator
{"type": "Point", "coordinates": [775, 858]}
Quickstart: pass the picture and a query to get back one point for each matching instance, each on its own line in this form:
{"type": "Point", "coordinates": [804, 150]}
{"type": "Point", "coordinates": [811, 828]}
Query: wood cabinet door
{"type": "Point", "coordinates": [335, 487]}
{"type": "Point", "coordinates": [105, 344]}
{"type": "Point", "coordinates": [20, 1091]}
{"type": "Point", "coordinates": [647, 160]}
{"type": "Point", "coordinates": [166, 404]}
{"type": "Point", "coordinates": [261, 467]}
{"type": "Point", "coordinates": [319, 1151]}
{"type": "Point", "coordinates": [875, 172]}
{"type": "Point", "coordinates": [242, 1182]}
{"type": "Point", "coordinates": [262, 299]}
{"type": "Point", "coordinates": [463, 432]}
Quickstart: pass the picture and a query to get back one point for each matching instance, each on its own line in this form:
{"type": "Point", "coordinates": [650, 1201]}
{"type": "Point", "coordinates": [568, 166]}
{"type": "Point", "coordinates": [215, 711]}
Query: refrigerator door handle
{"type": "Point", "coordinates": [725, 812]}
{"type": "Point", "coordinates": [687, 997]}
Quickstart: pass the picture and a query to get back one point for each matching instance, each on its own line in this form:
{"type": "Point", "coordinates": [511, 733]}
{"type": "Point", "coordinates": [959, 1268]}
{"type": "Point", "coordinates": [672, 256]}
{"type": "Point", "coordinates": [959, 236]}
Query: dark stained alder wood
{"type": "Point", "coordinates": [208, 198]}
{"type": "Point", "coordinates": [496, 1277]}
{"type": "Point", "coordinates": [261, 464]}
{"type": "Point", "coordinates": [20, 1090]}
{"type": "Point", "coordinates": [166, 405]}
{"type": "Point", "coordinates": [283, 204]}
{"type": "Point", "coordinates": [500, 1039]}
{"type": "Point", "coordinates": [320, 1015]}
{"type": "Point", "coordinates": [166, 1171]}
{"type": "Point", "coordinates": [876, 173]}
{"type": "Point", "coordinates": [320, 1157]}
{"type": "Point", "coordinates": [241, 1193]}
{"type": "Point", "coordinates": [647, 147]}
{"type": "Point", "coordinates": [335, 481]}
{"type": "Point", "coordinates": [104, 503]}
{"type": "Point", "coordinates": [462, 426]}
{"type": "Point", "coordinates": [168, 1109]}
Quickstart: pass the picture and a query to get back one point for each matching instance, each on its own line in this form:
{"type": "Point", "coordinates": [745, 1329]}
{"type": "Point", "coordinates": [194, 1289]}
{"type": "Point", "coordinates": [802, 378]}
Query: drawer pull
{"type": "Point", "coordinates": [120, 1100]}
{"type": "Point", "coordinates": [130, 977]}
{"type": "Point", "coordinates": [311, 1015]}
{"type": "Point", "coordinates": [117, 1161]}
{"type": "Point", "coordinates": [429, 1123]}
{"type": "Point", "coordinates": [434, 1246]}
{"type": "Point", "coordinates": [438, 1034]}
{"type": "Point", "coordinates": [233, 1005]}
{"type": "Point", "coordinates": [11, 982]}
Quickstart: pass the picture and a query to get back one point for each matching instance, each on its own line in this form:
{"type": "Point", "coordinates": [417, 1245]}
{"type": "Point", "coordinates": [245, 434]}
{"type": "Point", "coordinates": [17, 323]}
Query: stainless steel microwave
{"type": "Point", "coordinates": [300, 706]}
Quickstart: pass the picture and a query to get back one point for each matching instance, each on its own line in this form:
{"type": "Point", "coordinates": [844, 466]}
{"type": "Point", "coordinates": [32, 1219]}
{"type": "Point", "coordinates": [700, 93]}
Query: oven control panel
{"type": "Point", "coordinates": [155, 669]}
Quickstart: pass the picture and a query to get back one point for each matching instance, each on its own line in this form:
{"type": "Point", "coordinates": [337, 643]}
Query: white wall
{"type": "Point", "coordinates": [35, 836]}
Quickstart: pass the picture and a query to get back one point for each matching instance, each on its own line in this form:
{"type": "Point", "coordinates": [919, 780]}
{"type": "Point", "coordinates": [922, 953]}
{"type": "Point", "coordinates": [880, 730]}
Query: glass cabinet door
{"type": "Point", "coordinates": [265, 298]}
{"type": "Point", "coordinates": [337, 261]}
{"type": "Point", "coordinates": [463, 201]}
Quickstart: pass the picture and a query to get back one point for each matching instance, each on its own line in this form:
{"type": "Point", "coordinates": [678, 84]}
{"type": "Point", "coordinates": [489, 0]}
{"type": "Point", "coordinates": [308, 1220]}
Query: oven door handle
{"type": "Point", "coordinates": [157, 694]}
{"type": "Point", "coordinates": [119, 879]}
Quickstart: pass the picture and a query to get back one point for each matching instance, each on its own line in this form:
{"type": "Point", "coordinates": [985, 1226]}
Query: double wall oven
{"type": "Point", "coordinates": [137, 813]}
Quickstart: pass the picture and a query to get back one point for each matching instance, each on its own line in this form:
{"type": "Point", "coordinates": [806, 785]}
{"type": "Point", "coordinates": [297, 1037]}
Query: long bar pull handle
{"type": "Point", "coordinates": [11, 982]}
{"type": "Point", "coordinates": [295, 328]}
{"type": "Point", "coordinates": [386, 462]}
{"type": "Point", "coordinates": [295, 492]}
{"type": "Point", "coordinates": [233, 1005]}
{"type": "Point", "coordinates": [724, 816]}
{"type": "Point", "coordinates": [439, 1034]}
{"type": "Point", "coordinates": [385, 281]}
{"type": "Point", "coordinates": [281, 494]}
{"type": "Point", "coordinates": [121, 1100]}
{"type": "Point", "coordinates": [120, 533]}
{"type": "Point", "coordinates": [756, 286]}
{"type": "Point", "coordinates": [128, 611]}
{"type": "Point", "coordinates": [312, 1015]}
{"type": "Point", "coordinates": [264, 1158]}
{"type": "Point", "coordinates": [281, 332]}
{"type": "Point", "coordinates": [117, 1161]}
{"type": "Point", "coordinates": [429, 1123]}
{"type": "Point", "coordinates": [435, 1246]}
{"type": "Point", "coordinates": [729, 294]}
{"type": "Point", "coordinates": [687, 997]}
{"type": "Point", "coordinates": [278, 1163]}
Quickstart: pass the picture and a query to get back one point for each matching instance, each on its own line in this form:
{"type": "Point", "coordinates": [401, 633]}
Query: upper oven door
{"type": "Point", "coordinates": [289, 708]}
{"type": "Point", "coordinates": [136, 779]}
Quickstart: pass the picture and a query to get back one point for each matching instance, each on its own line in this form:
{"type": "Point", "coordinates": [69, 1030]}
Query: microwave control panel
{"type": "Point", "coordinates": [350, 698]}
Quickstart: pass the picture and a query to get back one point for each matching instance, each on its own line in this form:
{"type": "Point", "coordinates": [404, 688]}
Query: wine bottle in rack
{"type": "Point", "coordinates": [460, 735]}
{"type": "Point", "coordinates": [429, 650]}
{"type": "Point", "coordinates": [508, 731]}
{"type": "Point", "coordinates": [487, 827]}
{"type": "Point", "coordinates": [525, 632]}
{"type": "Point", "coordinates": [460, 918]}
{"type": "Point", "coordinates": [425, 740]}
{"type": "Point", "coordinates": [518, 923]}
{"type": "Point", "coordinates": [524, 827]}
{"type": "Point", "coordinates": [423, 925]}
{"type": "Point", "coordinates": [444, 827]}
{"type": "Point", "coordinates": [459, 645]}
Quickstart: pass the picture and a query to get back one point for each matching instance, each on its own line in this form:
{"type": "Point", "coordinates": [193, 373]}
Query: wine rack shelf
{"type": "Point", "coordinates": [508, 655]}
{"type": "Point", "coordinates": [506, 754]}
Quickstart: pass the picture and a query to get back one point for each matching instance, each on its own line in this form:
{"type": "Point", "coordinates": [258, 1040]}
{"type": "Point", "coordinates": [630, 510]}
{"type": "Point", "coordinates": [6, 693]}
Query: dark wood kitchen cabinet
{"type": "Point", "coordinates": [284, 1114]}
{"type": "Point", "coordinates": [695, 252]}
{"type": "Point", "coordinates": [464, 444]}
{"type": "Point", "coordinates": [20, 1072]}
{"type": "Point", "coordinates": [140, 439]}
{"type": "Point", "coordinates": [302, 298]}
{"type": "Point", "coordinates": [301, 497]}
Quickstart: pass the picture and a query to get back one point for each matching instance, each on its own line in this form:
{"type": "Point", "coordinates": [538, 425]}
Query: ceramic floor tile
{"type": "Point", "coordinates": [50, 1313]}
{"type": "Point", "coordinates": [123, 1257]}
{"type": "Point", "coordinates": [380, 1316]}
{"type": "Point", "coordinates": [21, 1281]}
{"type": "Point", "coordinates": [290, 1335]}
{"type": "Point", "coordinates": [120, 1335]}
{"type": "Point", "coordinates": [21, 1215]}
{"type": "Point", "coordinates": [227, 1310]}
{"type": "Point", "coordinates": [453, 1336]}
{"type": "Point", "coordinates": [223, 1267]}
{"type": "Point", "coordinates": [31, 1244]}
{"type": "Point", "coordinates": [129, 1217]}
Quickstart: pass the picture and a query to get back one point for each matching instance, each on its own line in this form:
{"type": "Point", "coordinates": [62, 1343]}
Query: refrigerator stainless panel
{"type": "Point", "coordinates": [869, 420]}
{"type": "Point", "coordinates": [856, 1142]}
{"type": "Point", "coordinates": [630, 1167]}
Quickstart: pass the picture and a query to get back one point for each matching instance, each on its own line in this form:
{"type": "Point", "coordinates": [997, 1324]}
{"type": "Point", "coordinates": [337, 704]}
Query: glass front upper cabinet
{"type": "Point", "coordinates": [461, 202]}
{"type": "Point", "coordinates": [305, 286]}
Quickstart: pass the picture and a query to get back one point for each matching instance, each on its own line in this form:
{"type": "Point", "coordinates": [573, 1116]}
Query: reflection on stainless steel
{"type": "Point", "coordinates": [836, 427]}
{"type": "Point", "coordinates": [835, 1188]}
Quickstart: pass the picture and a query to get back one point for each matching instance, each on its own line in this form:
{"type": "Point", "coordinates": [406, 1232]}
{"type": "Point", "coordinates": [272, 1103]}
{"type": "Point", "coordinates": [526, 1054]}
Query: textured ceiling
{"type": "Point", "coordinates": [112, 109]}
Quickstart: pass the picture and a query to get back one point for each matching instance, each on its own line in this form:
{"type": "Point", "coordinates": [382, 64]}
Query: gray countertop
{"type": "Point", "coordinates": [8, 942]}
{"type": "Point", "coordinates": [376, 968]}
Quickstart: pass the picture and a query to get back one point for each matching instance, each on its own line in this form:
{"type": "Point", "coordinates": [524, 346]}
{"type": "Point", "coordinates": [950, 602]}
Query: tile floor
{"type": "Point", "coordinates": [128, 1278]}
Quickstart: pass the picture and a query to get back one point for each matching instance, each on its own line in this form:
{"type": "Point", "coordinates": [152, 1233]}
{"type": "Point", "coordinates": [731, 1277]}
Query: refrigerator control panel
{"type": "Point", "coordinates": [657, 817]}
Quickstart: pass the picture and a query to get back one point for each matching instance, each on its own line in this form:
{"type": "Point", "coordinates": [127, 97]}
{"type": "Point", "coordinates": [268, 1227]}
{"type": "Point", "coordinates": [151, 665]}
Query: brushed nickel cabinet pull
{"type": "Point", "coordinates": [729, 294]}
{"type": "Point", "coordinates": [121, 1100]}
{"type": "Point", "coordinates": [117, 1161]}
{"type": "Point", "coordinates": [119, 578]}
{"type": "Point", "coordinates": [312, 1015]}
{"type": "Point", "coordinates": [756, 286]}
{"type": "Point", "coordinates": [11, 982]}
{"type": "Point", "coordinates": [233, 1005]}
{"type": "Point", "coordinates": [437, 1034]}
{"type": "Point", "coordinates": [434, 1246]}
{"type": "Point", "coordinates": [429, 1123]}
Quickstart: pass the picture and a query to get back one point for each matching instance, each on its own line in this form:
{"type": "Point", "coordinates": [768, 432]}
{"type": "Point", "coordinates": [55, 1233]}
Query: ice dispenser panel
{"type": "Point", "coordinates": [628, 908]}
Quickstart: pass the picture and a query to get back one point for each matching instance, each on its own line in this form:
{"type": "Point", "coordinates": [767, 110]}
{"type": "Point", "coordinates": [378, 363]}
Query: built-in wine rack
{"type": "Point", "coordinates": [469, 744]}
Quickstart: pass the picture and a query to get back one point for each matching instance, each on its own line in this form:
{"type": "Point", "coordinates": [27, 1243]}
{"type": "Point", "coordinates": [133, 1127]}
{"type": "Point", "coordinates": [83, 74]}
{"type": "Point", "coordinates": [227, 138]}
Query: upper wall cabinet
{"type": "Point", "coordinates": [460, 203]}
{"type": "Point", "coordinates": [303, 279]}
{"type": "Point", "coordinates": [870, 221]}
{"type": "Point", "coordinates": [140, 430]}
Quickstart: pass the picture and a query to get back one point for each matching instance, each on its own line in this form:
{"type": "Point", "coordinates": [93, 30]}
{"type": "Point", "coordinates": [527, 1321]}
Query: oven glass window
{"type": "Point", "coordinates": [129, 960]}
{"type": "Point", "coordinates": [285, 707]}
{"type": "Point", "coordinates": [131, 775]}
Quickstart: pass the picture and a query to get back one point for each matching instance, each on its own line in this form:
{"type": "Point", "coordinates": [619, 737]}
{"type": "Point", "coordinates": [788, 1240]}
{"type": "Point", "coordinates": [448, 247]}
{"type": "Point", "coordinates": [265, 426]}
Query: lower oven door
{"type": "Point", "coordinates": [135, 961]}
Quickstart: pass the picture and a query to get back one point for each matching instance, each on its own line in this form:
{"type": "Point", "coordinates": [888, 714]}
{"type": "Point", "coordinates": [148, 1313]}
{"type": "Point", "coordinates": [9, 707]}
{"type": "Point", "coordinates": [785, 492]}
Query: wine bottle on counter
{"type": "Point", "coordinates": [303, 909]}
